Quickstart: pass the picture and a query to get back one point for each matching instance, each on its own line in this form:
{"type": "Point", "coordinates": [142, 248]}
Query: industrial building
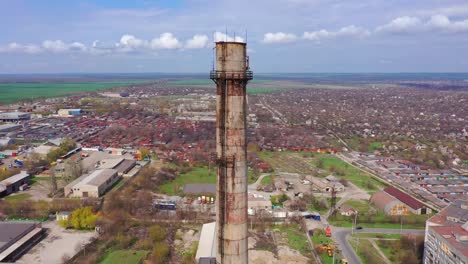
{"type": "Point", "coordinates": [200, 188]}
{"type": "Point", "coordinates": [6, 141]}
{"type": "Point", "coordinates": [14, 116]}
{"type": "Point", "coordinates": [69, 112]}
{"type": "Point", "coordinates": [395, 202]}
{"type": "Point", "coordinates": [92, 185]}
{"type": "Point", "coordinates": [7, 128]}
{"type": "Point", "coordinates": [231, 76]}
{"type": "Point", "coordinates": [446, 237]}
{"type": "Point", "coordinates": [17, 238]}
{"type": "Point", "coordinates": [14, 183]}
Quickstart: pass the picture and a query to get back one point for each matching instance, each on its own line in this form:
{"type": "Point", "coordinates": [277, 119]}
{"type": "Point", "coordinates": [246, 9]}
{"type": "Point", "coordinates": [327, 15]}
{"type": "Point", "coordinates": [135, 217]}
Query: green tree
{"type": "Point", "coordinates": [81, 218]}
{"type": "Point", "coordinates": [161, 253]}
{"type": "Point", "coordinates": [157, 233]}
{"type": "Point", "coordinates": [145, 153]}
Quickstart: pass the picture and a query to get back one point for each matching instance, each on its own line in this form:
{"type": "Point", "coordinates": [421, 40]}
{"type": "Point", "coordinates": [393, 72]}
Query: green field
{"type": "Point", "coordinates": [197, 175]}
{"type": "Point", "coordinates": [18, 197]}
{"type": "Point", "coordinates": [296, 238]}
{"type": "Point", "coordinates": [267, 180]}
{"type": "Point", "coordinates": [13, 92]}
{"type": "Point", "coordinates": [125, 257]}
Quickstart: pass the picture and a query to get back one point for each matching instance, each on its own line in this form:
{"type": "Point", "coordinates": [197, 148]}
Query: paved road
{"type": "Point", "coordinates": [339, 235]}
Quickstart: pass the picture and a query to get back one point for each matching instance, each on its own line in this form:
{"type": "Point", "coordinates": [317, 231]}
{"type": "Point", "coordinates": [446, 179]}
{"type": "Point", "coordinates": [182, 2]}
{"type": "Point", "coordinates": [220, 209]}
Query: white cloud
{"type": "Point", "coordinates": [131, 42]}
{"type": "Point", "coordinates": [405, 24]}
{"type": "Point", "coordinates": [348, 31]}
{"type": "Point", "coordinates": [20, 48]}
{"type": "Point", "coordinates": [219, 36]}
{"type": "Point", "coordinates": [197, 42]}
{"type": "Point", "coordinates": [443, 23]}
{"type": "Point", "coordinates": [165, 41]}
{"type": "Point", "coordinates": [54, 45]}
{"type": "Point", "coordinates": [440, 23]}
{"type": "Point", "coordinates": [279, 37]}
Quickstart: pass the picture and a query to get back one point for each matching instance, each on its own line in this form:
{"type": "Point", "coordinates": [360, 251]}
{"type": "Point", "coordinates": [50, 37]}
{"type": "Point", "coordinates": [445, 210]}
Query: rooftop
{"type": "Point", "coordinates": [456, 236]}
{"type": "Point", "coordinates": [97, 178]}
{"type": "Point", "coordinates": [403, 197]}
{"type": "Point", "coordinates": [455, 213]}
{"type": "Point", "coordinates": [15, 178]}
{"type": "Point", "coordinates": [12, 231]}
{"type": "Point", "coordinates": [200, 188]}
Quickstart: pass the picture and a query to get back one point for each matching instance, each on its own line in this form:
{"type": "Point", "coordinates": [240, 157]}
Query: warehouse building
{"type": "Point", "coordinates": [92, 185]}
{"type": "Point", "coordinates": [446, 238]}
{"type": "Point", "coordinates": [7, 128]}
{"type": "Point", "coordinates": [14, 116]}
{"type": "Point", "coordinates": [14, 183]}
{"type": "Point", "coordinates": [69, 112]}
{"type": "Point", "coordinates": [395, 202]}
{"type": "Point", "coordinates": [17, 238]}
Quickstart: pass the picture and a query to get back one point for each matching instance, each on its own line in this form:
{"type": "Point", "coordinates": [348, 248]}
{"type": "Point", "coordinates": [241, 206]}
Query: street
{"type": "Point", "coordinates": [339, 235]}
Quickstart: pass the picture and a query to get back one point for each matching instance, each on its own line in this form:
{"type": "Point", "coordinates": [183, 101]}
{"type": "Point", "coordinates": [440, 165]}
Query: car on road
{"type": "Point", "coordinates": [359, 228]}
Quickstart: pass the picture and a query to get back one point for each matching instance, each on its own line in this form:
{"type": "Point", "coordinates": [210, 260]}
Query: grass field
{"type": "Point", "coordinates": [13, 92]}
{"type": "Point", "coordinates": [198, 175]}
{"type": "Point", "coordinates": [125, 257]}
{"type": "Point", "coordinates": [18, 197]}
{"type": "Point", "coordinates": [377, 235]}
{"type": "Point", "coordinates": [296, 238]}
{"type": "Point", "coordinates": [322, 239]}
{"type": "Point", "coordinates": [366, 252]}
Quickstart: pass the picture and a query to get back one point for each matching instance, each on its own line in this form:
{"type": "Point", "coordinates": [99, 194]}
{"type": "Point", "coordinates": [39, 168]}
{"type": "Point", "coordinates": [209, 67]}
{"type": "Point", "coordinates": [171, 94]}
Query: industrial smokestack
{"type": "Point", "coordinates": [231, 77]}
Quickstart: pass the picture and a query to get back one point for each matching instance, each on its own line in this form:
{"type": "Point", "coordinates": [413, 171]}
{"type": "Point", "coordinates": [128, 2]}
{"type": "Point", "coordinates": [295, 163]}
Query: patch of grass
{"type": "Point", "coordinates": [12, 92]}
{"type": "Point", "coordinates": [377, 235]}
{"type": "Point", "coordinates": [366, 252]}
{"type": "Point", "coordinates": [267, 180]}
{"type": "Point", "coordinates": [389, 248]}
{"type": "Point", "coordinates": [296, 238]}
{"type": "Point", "coordinates": [197, 175]}
{"type": "Point", "coordinates": [120, 183]}
{"type": "Point", "coordinates": [34, 180]}
{"type": "Point", "coordinates": [251, 176]}
{"type": "Point", "coordinates": [125, 257]}
{"type": "Point", "coordinates": [376, 145]}
{"type": "Point", "coordinates": [314, 207]}
{"type": "Point", "coordinates": [18, 197]}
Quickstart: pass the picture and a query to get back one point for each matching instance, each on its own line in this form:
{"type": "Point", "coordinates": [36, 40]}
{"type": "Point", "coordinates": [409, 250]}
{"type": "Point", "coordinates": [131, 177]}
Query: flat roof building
{"type": "Point", "coordinates": [446, 238]}
{"type": "Point", "coordinates": [5, 128]}
{"type": "Point", "coordinates": [14, 183]}
{"type": "Point", "coordinates": [17, 238]}
{"type": "Point", "coordinates": [92, 185]}
{"type": "Point", "coordinates": [14, 116]}
{"type": "Point", "coordinates": [69, 112]}
{"type": "Point", "coordinates": [200, 188]}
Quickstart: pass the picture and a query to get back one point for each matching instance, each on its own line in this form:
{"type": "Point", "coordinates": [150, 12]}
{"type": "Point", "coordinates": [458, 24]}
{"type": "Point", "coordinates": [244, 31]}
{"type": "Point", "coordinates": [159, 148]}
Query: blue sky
{"type": "Point", "coordinates": [283, 35]}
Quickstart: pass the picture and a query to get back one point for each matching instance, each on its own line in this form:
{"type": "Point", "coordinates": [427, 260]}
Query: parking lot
{"type": "Point", "coordinates": [59, 245]}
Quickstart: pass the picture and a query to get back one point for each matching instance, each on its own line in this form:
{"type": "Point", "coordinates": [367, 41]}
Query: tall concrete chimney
{"type": "Point", "coordinates": [231, 76]}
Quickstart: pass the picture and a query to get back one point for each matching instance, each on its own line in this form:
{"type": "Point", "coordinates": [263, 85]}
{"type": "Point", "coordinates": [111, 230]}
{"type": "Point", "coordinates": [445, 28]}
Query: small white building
{"type": "Point", "coordinates": [92, 185]}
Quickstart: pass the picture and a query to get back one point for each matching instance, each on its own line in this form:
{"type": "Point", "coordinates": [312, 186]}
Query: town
{"type": "Point", "coordinates": [330, 175]}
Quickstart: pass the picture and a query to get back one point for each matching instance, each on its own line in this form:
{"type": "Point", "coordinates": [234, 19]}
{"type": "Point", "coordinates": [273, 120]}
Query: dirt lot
{"type": "Point", "coordinates": [58, 243]}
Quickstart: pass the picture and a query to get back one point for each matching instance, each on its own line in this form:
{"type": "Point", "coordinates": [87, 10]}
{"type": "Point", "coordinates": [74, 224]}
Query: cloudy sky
{"type": "Point", "coordinates": [56, 36]}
